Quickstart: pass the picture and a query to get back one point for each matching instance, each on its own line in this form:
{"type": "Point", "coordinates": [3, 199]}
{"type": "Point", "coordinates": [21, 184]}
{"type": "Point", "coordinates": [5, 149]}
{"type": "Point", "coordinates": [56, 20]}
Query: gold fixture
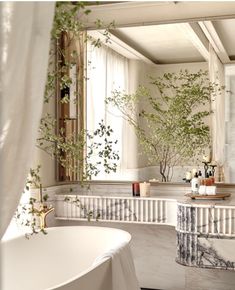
{"type": "Point", "coordinates": [42, 211]}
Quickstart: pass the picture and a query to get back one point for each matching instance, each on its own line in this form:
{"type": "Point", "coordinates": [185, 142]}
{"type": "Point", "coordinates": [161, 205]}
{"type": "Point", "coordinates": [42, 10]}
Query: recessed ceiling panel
{"type": "Point", "coordinates": [163, 44]}
{"type": "Point", "coordinates": [225, 29]}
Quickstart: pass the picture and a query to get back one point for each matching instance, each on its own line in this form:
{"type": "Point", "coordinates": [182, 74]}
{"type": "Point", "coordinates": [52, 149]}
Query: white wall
{"type": "Point", "coordinates": [40, 157]}
{"type": "Point", "coordinates": [139, 73]}
{"type": "Point", "coordinates": [47, 163]}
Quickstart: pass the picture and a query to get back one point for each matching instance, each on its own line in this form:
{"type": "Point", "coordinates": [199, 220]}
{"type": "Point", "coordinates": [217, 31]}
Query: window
{"type": "Point", "coordinates": [106, 71]}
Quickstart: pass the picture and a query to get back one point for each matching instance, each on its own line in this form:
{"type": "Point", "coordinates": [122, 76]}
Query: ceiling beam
{"type": "Point", "coordinates": [197, 37]}
{"type": "Point", "coordinates": [120, 46]}
{"type": "Point", "coordinates": [140, 13]}
{"type": "Point", "coordinates": [215, 41]}
{"type": "Point", "coordinates": [117, 35]}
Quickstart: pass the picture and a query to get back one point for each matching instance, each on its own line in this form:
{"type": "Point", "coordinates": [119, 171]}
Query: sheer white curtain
{"type": "Point", "coordinates": [216, 71]}
{"type": "Point", "coordinates": [107, 71]}
{"type": "Point", "coordinates": [24, 38]}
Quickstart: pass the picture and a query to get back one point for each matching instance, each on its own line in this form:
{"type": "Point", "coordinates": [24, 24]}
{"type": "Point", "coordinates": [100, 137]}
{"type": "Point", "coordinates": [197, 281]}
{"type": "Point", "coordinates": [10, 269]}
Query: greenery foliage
{"type": "Point", "coordinates": [94, 150]}
{"type": "Point", "coordinates": [171, 128]}
{"type": "Point", "coordinates": [91, 151]}
{"type": "Point", "coordinates": [25, 214]}
{"type": "Point", "coordinates": [85, 212]}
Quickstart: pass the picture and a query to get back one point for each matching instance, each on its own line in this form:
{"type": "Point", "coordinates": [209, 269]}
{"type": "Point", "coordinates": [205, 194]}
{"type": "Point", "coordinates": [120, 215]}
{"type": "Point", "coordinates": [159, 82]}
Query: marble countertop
{"type": "Point", "coordinates": [227, 202]}
{"type": "Point", "coordinates": [164, 191]}
{"type": "Point", "coordinates": [179, 198]}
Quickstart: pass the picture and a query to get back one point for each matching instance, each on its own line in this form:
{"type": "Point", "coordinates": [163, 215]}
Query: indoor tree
{"type": "Point", "coordinates": [171, 126]}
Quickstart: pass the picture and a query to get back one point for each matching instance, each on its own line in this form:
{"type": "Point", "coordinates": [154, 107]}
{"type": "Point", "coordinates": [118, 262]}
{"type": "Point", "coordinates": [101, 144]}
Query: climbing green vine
{"type": "Point", "coordinates": [93, 151]}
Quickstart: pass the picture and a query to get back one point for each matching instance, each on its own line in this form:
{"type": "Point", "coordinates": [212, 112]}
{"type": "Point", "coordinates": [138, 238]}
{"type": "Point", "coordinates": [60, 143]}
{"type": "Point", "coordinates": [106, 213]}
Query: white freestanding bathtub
{"type": "Point", "coordinates": [63, 259]}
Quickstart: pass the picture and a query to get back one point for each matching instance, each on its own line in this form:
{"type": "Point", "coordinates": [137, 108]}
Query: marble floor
{"type": "Point", "coordinates": [154, 251]}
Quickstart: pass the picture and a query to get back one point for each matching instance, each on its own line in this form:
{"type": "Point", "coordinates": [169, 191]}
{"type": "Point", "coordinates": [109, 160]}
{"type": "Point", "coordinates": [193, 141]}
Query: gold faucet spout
{"type": "Point", "coordinates": [42, 213]}
{"type": "Point", "coordinates": [42, 210]}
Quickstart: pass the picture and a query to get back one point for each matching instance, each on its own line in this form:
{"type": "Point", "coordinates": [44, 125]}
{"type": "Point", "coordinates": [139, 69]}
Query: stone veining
{"type": "Point", "coordinates": [140, 210]}
{"type": "Point", "coordinates": [202, 234]}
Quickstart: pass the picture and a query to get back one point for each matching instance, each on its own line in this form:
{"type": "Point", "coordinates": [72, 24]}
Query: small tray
{"type": "Point", "coordinates": [216, 196]}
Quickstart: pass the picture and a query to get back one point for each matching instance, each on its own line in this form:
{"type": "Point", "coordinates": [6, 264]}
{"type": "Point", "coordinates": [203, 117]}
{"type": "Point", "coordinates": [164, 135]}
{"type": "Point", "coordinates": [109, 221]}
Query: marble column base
{"type": "Point", "coordinates": [205, 251]}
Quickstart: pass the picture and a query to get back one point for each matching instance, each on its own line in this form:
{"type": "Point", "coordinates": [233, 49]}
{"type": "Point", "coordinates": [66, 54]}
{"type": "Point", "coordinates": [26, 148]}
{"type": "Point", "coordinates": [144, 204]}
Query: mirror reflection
{"type": "Point", "coordinates": [130, 58]}
{"type": "Point", "coordinates": [166, 93]}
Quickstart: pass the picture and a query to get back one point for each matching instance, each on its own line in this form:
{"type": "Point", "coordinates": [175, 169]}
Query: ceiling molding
{"type": "Point", "coordinates": [197, 37]}
{"type": "Point", "coordinates": [215, 41]}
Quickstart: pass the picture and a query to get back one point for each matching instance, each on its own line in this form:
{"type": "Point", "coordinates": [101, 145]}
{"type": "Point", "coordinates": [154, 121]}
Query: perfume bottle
{"type": "Point", "coordinates": [195, 184]}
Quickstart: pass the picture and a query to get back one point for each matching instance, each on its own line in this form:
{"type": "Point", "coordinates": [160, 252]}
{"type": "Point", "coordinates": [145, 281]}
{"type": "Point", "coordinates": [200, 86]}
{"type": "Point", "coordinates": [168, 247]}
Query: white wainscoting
{"type": "Point", "coordinates": [116, 209]}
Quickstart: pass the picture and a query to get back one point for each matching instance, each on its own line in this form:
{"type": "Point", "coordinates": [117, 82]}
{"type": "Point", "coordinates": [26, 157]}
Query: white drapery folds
{"type": "Point", "coordinates": [216, 71]}
{"type": "Point", "coordinates": [107, 71]}
{"type": "Point", "coordinates": [24, 38]}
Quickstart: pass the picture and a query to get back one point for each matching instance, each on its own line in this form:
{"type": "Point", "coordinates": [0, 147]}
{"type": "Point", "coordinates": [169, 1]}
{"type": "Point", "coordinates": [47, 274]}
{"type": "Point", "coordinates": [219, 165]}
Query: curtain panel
{"type": "Point", "coordinates": [25, 38]}
{"type": "Point", "coordinates": [107, 71]}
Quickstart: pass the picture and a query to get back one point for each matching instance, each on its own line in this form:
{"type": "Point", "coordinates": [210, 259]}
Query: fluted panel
{"type": "Point", "coordinates": [186, 249]}
{"type": "Point", "coordinates": [109, 208]}
{"type": "Point", "coordinates": [210, 220]}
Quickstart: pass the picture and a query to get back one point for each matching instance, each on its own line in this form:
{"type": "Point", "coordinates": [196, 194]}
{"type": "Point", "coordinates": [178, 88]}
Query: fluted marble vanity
{"type": "Point", "coordinates": [205, 229]}
{"type": "Point", "coordinates": [206, 234]}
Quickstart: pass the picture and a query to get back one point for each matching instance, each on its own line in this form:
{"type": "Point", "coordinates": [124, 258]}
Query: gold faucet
{"type": "Point", "coordinates": [42, 211]}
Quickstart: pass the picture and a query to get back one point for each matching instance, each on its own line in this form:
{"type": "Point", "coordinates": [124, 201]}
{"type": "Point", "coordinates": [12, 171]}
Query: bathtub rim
{"type": "Point", "coordinates": [89, 269]}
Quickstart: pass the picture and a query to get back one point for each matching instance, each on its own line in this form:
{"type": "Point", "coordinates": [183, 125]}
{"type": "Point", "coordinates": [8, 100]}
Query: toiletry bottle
{"type": "Point", "coordinates": [208, 180]}
{"type": "Point", "coordinates": [212, 178]}
{"type": "Point", "coordinates": [195, 184]}
{"type": "Point", "coordinates": [200, 177]}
